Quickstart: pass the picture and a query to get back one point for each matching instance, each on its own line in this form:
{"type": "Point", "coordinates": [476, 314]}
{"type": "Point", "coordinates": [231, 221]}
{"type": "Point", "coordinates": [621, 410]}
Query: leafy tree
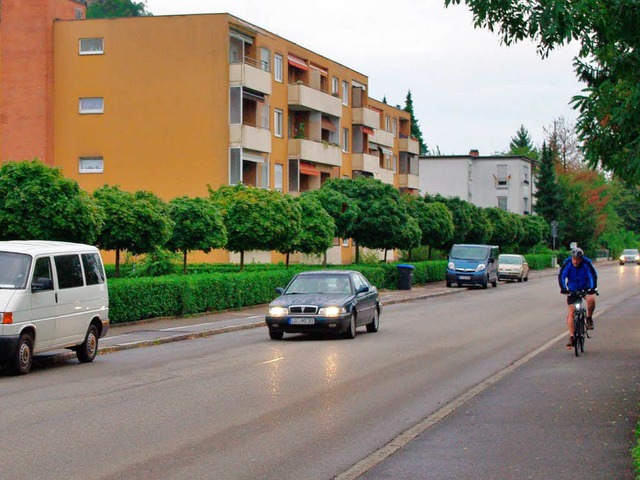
{"type": "Point", "coordinates": [340, 207]}
{"type": "Point", "coordinates": [316, 231]}
{"type": "Point", "coordinates": [506, 227]}
{"type": "Point", "coordinates": [137, 222]}
{"type": "Point", "coordinates": [521, 144]}
{"type": "Point", "coordinates": [548, 199]}
{"type": "Point", "coordinates": [480, 225]}
{"type": "Point", "coordinates": [563, 142]}
{"type": "Point", "coordinates": [462, 212]}
{"type": "Point", "coordinates": [607, 64]}
{"type": "Point", "coordinates": [198, 225]}
{"type": "Point", "coordinates": [577, 218]}
{"type": "Point", "coordinates": [382, 217]}
{"type": "Point", "coordinates": [434, 220]}
{"type": "Point", "coordinates": [116, 8]}
{"type": "Point", "coordinates": [415, 128]}
{"type": "Point", "coordinates": [257, 219]}
{"type": "Point", "coordinates": [626, 202]}
{"type": "Point", "coordinates": [38, 202]}
{"type": "Point", "coordinates": [535, 229]}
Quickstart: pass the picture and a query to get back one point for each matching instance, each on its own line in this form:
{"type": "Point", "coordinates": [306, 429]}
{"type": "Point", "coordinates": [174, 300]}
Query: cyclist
{"type": "Point", "coordinates": [578, 273]}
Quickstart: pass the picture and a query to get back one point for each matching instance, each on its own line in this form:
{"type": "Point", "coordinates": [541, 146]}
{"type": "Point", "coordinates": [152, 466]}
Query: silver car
{"type": "Point", "coordinates": [513, 267]}
{"type": "Point", "coordinates": [630, 255]}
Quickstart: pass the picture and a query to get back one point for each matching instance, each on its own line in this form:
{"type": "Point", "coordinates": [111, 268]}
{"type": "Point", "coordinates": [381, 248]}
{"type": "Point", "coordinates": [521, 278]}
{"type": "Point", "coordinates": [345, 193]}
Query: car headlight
{"type": "Point", "coordinates": [331, 311]}
{"type": "Point", "coordinates": [621, 257]}
{"type": "Point", "coordinates": [451, 266]}
{"type": "Point", "coordinates": [278, 311]}
{"type": "Point", "coordinates": [480, 267]}
{"type": "Point", "coordinates": [637, 257]}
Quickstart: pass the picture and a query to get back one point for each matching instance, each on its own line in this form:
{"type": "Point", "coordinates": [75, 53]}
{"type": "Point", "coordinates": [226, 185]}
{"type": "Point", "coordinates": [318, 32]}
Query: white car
{"type": "Point", "coordinates": [630, 255]}
{"type": "Point", "coordinates": [513, 267]}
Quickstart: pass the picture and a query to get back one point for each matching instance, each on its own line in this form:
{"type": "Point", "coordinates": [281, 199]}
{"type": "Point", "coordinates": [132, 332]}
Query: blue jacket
{"type": "Point", "coordinates": [573, 278]}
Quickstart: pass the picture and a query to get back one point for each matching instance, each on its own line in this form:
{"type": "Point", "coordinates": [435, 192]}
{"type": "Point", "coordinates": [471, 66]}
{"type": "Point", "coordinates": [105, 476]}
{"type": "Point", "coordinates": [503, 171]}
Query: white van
{"type": "Point", "coordinates": [53, 295]}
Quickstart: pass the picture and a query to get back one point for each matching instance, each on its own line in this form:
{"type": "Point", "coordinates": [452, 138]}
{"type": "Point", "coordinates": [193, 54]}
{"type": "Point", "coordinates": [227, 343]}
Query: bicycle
{"type": "Point", "coordinates": [580, 332]}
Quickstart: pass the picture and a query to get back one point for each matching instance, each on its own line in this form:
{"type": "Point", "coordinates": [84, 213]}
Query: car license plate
{"type": "Point", "coordinates": [464, 277]}
{"type": "Point", "coordinates": [301, 321]}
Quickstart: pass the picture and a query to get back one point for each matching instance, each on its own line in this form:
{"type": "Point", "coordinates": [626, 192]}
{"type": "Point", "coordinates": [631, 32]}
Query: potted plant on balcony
{"type": "Point", "coordinates": [299, 131]}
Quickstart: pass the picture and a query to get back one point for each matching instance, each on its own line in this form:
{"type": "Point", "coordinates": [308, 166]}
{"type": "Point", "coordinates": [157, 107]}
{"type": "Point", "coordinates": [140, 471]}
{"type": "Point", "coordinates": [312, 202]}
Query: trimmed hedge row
{"type": "Point", "coordinates": [133, 299]}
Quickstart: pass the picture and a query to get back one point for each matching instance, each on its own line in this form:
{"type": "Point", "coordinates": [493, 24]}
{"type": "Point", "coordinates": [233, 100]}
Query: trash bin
{"type": "Point", "coordinates": [405, 276]}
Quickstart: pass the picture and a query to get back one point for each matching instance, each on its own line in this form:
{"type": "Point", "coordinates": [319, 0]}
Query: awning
{"type": "Point", "coordinates": [384, 150]}
{"type": "Point", "coordinates": [358, 85]}
{"type": "Point", "coordinates": [328, 124]}
{"type": "Point", "coordinates": [323, 71]}
{"type": "Point", "coordinates": [241, 36]}
{"type": "Point", "coordinates": [368, 131]}
{"type": "Point", "coordinates": [249, 157]}
{"type": "Point", "coordinates": [297, 62]}
{"type": "Point", "coordinates": [308, 169]}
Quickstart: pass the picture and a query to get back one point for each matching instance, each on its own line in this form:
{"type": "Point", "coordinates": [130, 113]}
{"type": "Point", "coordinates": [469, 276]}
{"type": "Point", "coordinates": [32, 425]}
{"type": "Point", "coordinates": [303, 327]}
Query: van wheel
{"type": "Point", "coordinates": [20, 363]}
{"type": "Point", "coordinates": [88, 350]}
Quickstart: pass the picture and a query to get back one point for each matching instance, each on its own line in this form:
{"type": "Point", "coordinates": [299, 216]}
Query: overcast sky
{"type": "Point", "coordinates": [469, 92]}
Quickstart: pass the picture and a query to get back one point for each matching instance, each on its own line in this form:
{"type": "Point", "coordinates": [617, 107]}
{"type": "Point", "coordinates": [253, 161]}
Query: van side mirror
{"type": "Point", "coordinates": [40, 284]}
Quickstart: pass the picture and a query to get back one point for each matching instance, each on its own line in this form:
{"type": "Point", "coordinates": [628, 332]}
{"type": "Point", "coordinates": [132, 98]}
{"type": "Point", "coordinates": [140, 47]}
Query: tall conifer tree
{"type": "Point", "coordinates": [415, 129]}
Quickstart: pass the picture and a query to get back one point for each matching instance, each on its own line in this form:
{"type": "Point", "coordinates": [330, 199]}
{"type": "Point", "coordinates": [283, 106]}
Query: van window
{"type": "Point", "coordinates": [69, 271]}
{"type": "Point", "coordinates": [468, 252]}
{"type": "Point", "coordinates": [92, 268]}
{"type": "Point", "coordinates": [14, 269]}
{"type": "Point", "coordinates": [42, 271]}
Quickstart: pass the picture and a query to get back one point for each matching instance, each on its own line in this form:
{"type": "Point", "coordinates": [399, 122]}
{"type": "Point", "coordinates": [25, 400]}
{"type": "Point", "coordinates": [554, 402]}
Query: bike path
{"type": "Point", "coordinates": [560, 417]}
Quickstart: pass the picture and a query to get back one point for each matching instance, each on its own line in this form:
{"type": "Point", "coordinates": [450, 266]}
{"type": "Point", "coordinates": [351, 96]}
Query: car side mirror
{"type": "Point", "coordinates": [279, 290]}
{"type": "Point", "coordinates": [362, 289]}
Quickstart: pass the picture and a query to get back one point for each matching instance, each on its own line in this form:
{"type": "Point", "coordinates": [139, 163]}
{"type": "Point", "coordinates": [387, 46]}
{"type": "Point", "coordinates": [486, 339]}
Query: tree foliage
{"type": "Point", "coordinates": [434, 220]}
{"type": "Point", "coordinates": [548, 197]}
{"type": "Point", "coordinates": [137, 222]}
{"type": "Point", "coordinates": [521, 144]}
{"type": "Point", "coordinates": [198, 225]}
{"type": "Point", "coordinates": [343, 209]}
{"type": "Point", "coordinates": [607, 63]}
{"type": "Point", "coordinates": [415, 128]}
{"type": "Point", "coordinates": [38, 202]}
{"type": "Point", "coordinates": [116, 9]}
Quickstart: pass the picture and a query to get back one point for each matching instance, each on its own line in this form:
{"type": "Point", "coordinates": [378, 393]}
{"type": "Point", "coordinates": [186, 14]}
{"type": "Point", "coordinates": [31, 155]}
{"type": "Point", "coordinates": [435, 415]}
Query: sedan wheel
{"type": "Point", "coordinates": [350, 332]}
{"type": "Point", "coordinates": [275, 335]}
{"type": "Point", "coordinates": [373, 326]}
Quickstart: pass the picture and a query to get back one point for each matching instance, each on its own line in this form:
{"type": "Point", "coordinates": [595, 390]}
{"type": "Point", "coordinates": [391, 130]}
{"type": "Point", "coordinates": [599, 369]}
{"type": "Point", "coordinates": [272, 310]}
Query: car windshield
{"type": "Point", "coordinates": [630, 252]}
{"type": "Point", "coordinates": [468, 252]}
{"type": "Point", "coordinates": [320, 284]}
{"type": "Point", "coordinates": [509, 259]}
{"type": "Point", "coordinates": [14, 270]}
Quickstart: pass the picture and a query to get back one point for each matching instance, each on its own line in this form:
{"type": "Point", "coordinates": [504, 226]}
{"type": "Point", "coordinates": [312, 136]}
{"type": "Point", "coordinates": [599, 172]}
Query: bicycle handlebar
{"type": "Point", "coordinates": [581, 293]}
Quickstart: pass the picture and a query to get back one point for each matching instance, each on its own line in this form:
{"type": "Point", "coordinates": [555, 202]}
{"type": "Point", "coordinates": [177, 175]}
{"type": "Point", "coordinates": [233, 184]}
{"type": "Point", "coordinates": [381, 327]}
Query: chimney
{"type": "Point", "coordinates": [473, 153]}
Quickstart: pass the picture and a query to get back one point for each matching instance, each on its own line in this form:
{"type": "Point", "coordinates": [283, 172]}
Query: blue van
{"type": "Point", "coordinates": [473, 265]}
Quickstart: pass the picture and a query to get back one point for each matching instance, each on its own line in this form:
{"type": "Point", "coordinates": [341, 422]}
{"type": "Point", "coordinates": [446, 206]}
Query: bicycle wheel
{"type": "Point", "coordinates": [583, 331]}
{"type": "Point", "coordinates": [576, 333]}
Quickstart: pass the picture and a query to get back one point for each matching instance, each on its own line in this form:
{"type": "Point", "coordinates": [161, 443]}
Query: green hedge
{"type": "Point", "coordinates": [539, 261]}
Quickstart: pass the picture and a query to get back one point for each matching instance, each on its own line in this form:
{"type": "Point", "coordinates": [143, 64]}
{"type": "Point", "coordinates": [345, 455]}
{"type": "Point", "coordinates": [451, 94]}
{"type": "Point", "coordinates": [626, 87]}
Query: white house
{"type": "Point", "coordinates": [506, 182]}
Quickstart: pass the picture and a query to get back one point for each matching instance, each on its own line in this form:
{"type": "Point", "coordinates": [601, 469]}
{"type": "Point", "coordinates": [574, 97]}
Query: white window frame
{"type": "Point", "coordinates": [83, 108]}
{"type": "Point", "coordinates": [278, 176]}
{"type": "Point", "coordinates": [88, 44]}
{"type": "Point", "coordinates": [345, 93]}
{"type": "Point", "coordinates": [345, 140]}
{"type": "Point", "coordinates": [506, 203]}
{"type": "Point", "coordinates": [278, 63]}
{"type": "Point", "coordinates": [90, 165]}
{"type": "Point", "coordinates": [335, 85]}
{"type": "Point", "coordinates": [278, 122]}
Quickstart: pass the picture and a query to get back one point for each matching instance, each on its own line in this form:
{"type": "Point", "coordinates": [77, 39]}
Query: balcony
{"type": "Point", "coordinates": [251, 77]}
{"type": "Point", "coordinates": [386, 176]}
{"type": "Point", "coordinates": [366, 116]}
{"type": "Point", "coordinates": [253, 138]}
{"type": "Point", "coordinates": [409, 145]}
{"type": "Point", "coordinates": [302, 97]}
{"type": "Point", "coordinates": [381, 137]}
{"type": "Point", "coordinates": [406, 180]}
{"type": "Point", "coordinates": [318, 152]}
{"type": "Point", "coordinates": [365, 163]}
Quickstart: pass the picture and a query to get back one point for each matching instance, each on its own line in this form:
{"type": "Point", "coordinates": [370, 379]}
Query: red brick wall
{"type": "Point", "coordinates": [26, 76]}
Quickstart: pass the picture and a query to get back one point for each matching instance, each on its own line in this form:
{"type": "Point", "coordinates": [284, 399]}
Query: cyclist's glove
{"type": "Point", "coordinates": [564, 291]}
{"type": "Point", "coordinates": [593, 291]}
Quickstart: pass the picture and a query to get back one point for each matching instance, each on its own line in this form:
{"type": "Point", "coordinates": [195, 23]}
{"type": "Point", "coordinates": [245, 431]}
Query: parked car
{"type": "Point", "coordinates": [513, 267]}
{"type": "Point", "coordinates": [325, 302]}
{"type": "Point", "coordinates": [630, 255]}
{"type": "Point", "coordinates": [473, 265]}
{"type": "Point", "coordinates": [53, 295]}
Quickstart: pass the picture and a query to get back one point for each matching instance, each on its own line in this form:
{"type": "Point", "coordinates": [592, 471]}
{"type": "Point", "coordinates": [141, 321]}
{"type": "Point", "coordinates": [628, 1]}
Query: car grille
{"type": "Point", "coordinates": [465, 270]}
{"type": "Point", "coordinates": [303, 309]}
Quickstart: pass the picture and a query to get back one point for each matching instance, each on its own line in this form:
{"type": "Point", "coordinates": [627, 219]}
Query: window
{"type": "Point", "coordinates": [502, 203]}
{"type": "Point", "coordinates": [277, 122]}
{"type": "Point", "coordinates": [525, 206]}
{"type": "Point", "coordinates": [235, 166]}
{"type": "Point", "coordinates": [277, 67]}
{"type": "Point", "coordinates": [345, 93]}
{"type": "Point", "coordinates": [525, 175]}
{"type": "Point", "coordinates": [78, 14]}
{"type": "Point", "coordinates": [501, 178]}
{"type": "Point", "coordinates": [386, 124]}
{"type": "Point", "coordinates": [91, 46]}
{"type": "Point", "coordinates": [92, 105]}
{"type": "Point", "coordinates": [294, 177]}
{"type": "Point", "coordinates": [69, 271]}
{"type": "Point", "coordinates": [263, 178]}
{"type": "Point", "coordinates": [345, 242]}
{"type": "Point", "coordinates": [345, 139]}
{"type": "Point", "coordinates": [395, 127]}
{"type": "Point", "coordinates": [93, 268]}
{"type": "Point", "coordinates": [42, 271]}
{"type": "Point", "coordinates": [91, 165]}
{"type": "Point", "coordinates": [277, 174]}
{"type": "Point", "coordinates": [235, 105]}
{"type": "Point", "coordinates": [335, 85]}
{"type": "Point", "coordinates": [265, 59]}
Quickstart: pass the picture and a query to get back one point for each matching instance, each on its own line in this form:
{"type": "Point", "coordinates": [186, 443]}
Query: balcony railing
{"type": "Point", "coordinates": [406, 180]}
{"type": "Point", "coordinates": [386, 176]}
{"type": "Point", "coordinates": [365, 163]}
{"type": "Point", "coordinates": [409, 145]}
{"type": "Point", "coordinates": [381, 137]}
{"type": "Point", "coordinates": [302, 97]}
{"type": "Point", "coordinates": [367, 117]}
{"type": "Point", "coordinates": [253, 138]}
{"type": "Point", "coordinates": [318, 152]}
{"type": "Point", "coordinates": [250, 76]}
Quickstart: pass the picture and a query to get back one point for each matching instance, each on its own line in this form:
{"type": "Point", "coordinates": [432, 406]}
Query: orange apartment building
{"type": "Point", "coordinates": [178, 104]}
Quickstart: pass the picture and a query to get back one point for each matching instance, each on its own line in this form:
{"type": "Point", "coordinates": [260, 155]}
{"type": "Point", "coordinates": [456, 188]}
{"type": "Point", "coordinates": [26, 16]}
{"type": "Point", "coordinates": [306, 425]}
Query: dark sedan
{"type": "Point", "coordinates": [325, 302]}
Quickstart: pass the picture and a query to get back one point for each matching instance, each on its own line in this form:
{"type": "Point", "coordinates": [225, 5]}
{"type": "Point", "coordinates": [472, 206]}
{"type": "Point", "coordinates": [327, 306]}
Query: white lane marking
{"type": "Point", "coordinates": [270, 361]}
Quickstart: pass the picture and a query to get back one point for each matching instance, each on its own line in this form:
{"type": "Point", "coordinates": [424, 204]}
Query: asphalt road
{"type": "Point", "coordinates": [241, 406]}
